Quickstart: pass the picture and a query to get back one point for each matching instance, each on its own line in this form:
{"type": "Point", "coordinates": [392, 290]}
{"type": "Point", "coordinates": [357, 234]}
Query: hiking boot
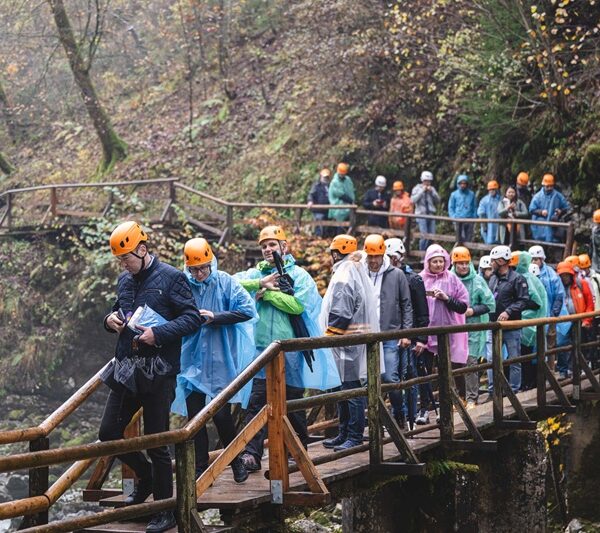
{"type": "Point", "coordinates": [336, 441]}
{"type": "Point", "coordinates": [240, 473]}
{"type": "Point", "coordinates": [346, 445]}
{"type": "Point", "coordinates": [142, 490]}
{"type": "Point", "coordinates": [250, 462]}
{"type": "Point", "coordinates": [161, 522]}
{"type": "Point", "coordinates": [422, 418]}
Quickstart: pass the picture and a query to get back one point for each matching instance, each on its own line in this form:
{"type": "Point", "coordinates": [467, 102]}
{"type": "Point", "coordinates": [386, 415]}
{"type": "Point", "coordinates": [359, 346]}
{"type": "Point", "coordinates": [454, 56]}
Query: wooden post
{"type": "Point", "coordinates": [445, 384]}
{"type": "Point", "coordinates": [53, 202]}
{"type": "Point", "coordinates": [513, 236]}
{"type": "Point", "coordinates": [8, 215]}
{"type": "Point", "coordinates": [172, 199]}
{"type": "Point", "coordinates": [569, 241]}
{"type": "Point", "coordinates": [229, 223]}
{"type": "Point", "coordinates": [185, 471]}
{"type": "Point", "coordinates": [352, 219]}
{"type": "Point", "coordinates": [38, 481]}
{"type": "Point", "coordinates": [457, 232]}
{"type": "Point", "coordinates": [278, 465]}
{"type": "Point", "coordinates": [497, 369]}
{"type": "Point", "coordinates": [298, 219]}
{"type": "Point", "coordinates": [408, 234]}
{"type": "Point", "coordinates": [576, 342]}
{"type": "Point", "coordinates": [374, 393]}
{"type": "Point", "coordinates": [541, 365]}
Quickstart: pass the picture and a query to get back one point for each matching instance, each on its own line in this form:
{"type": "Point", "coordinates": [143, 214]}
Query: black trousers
{"type": "Point", "coordinates": [258, 399]}
{"type": "Point", "coordinates": [223, 421]}
{"type": "Point", "coordinates": [119, 411]}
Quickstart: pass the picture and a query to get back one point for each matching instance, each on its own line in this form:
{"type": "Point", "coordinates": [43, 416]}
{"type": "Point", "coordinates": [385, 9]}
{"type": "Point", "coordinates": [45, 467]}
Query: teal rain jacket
{"type": "Point", "coordinates": [341, 191]}
{"type": "Point", "coordinates": [537, 293]}
{"type": "Point", "coordinates": [274, 324]}
{"type": "Point", "coordinates": [215, 355]}
{"type": "Point", "coordinates": [479, 294]}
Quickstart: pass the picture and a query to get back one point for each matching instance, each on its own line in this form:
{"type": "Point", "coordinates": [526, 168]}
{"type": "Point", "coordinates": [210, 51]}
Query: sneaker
{"type": "Point", "coordinates": [346, 445]}
{"type": "Point", "coordinates": [142, 490]}
{"type": "Point", "coordinates": [471, 405]}
{"type": "Point", "coordinates": [488, 398]}
{"type": "Point", "coordinates": [161, 522]}
{"type": "Point", "coordinates": [336, 441]}
{"type": "Point", "coordinates": [250, 462]}
{"type": "Point", "coordinates": [422, 418]}
{"type": "Point", "coordinates": [240, 472]}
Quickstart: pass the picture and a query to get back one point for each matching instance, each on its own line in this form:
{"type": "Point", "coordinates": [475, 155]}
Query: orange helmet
{"type": "Point", "coordinates": [343, 168]}
{"type": "Point", "coordinates": [565, 268]}
{"type": "Point", "coordinates": [375, 244]}
{"type": "Point", "coordinates": [596, 216]}
{"type": "Point", "coordinates": [398, 186]}
{"type": "Point", "coordinates": [514, 259]}
{"type": "Point", "coordinates": [345, 244]}
{"type": "Point", "coordinates": [572, 260]}
{"type": "Point", "coordinates": [459, 254]}
{"type": "Point", "coordinates": [272, 232]}
{"type": "Point", "coordinates": [493, 185]}
{"type": "Point", "coordinates": [548, 179]}
{"type": "Point", "coordinates": [325, 172]}
{"type": "Point", "coordinates": [197, 252]}
{"type": "Point", "coordinates": [522, 179]}
{"type": "Point", "coordinates": [585, 261]}
{"type": "Point", "coordinates": [126, 237]}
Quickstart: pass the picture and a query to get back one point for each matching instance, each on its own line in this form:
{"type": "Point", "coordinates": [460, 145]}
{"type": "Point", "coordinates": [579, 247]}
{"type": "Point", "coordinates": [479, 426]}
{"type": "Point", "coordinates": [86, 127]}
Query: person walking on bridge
{"type": "Point", "coordinates": [523, 188]}
{"type": "Point", "coordinates": [341, 191]}
{"type": "Point", "coordinates": [488, 208]}
{"type": "Point", "coordinates": [399, 203]}
{"type": "Point", "coordinates": [319, 195]}
{"type": "Point", "coordinates": [214, 355]}
{"type": "Point", "coordinates": [377, 199]}
{"type": "Point", "coordinates": [278, 298]}
{"type": "Point", "coordinates": [595, 245]}
{"type": "Point", "coordinates": [426, 200]}
{"type": "Point", "coordinates": [146, 359]}
{"type": "Point", "coordinates": [349, 306]}
{"type": "Point", "coordinates": [587, 273]}
{"type": "Point", "coordinates": [547, 205]}
{"type": "Point", "coordinates": [462, 204]}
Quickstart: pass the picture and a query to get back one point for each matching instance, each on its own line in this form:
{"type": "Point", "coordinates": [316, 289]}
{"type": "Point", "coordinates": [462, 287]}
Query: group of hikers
{"type": "Point", "coordinates": [517, 202]}
{"type": "Point", "coordinates": [184, 335]}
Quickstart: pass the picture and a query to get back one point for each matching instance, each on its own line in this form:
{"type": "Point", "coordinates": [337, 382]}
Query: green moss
{"type": "Point", "coordinates": [440, 468]}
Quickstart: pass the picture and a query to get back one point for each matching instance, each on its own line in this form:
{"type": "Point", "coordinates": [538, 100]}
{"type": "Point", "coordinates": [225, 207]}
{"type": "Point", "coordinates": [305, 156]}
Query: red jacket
{"type": "Point", "coordinates": [582, 298]}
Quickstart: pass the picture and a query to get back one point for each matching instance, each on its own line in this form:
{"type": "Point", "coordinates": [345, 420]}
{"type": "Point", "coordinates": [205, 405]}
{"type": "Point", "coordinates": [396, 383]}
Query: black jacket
{"type": "Point", "coordinates": [167, 292]}
{"type": "Point", "coordinates": [419, 301]}
{"type": "Point", "coordinates": [370, 196]}
{"type": "Point", "coordinates": [511, 294]}
{"type": "Point", "coordinates": [319, 194]}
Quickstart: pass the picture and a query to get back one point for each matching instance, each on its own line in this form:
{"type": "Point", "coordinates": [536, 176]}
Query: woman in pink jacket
{"type": "Point", "coordinates": [448, 301]}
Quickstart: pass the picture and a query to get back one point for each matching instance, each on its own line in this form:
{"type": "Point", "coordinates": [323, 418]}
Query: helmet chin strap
{"type": "Point", "coordinates": [142, 257]}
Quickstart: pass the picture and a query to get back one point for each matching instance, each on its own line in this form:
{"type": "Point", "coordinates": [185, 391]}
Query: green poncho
{"type": "Point", "coordinates": [479, 294]}
{"type": "Point", "coordinates": [341, 191]}
{"type": "Point", "coordinates": [537, 293]}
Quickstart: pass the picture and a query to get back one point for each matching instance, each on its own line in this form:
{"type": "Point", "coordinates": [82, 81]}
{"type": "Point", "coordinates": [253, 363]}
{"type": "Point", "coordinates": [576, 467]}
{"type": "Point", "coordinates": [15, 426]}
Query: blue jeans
{"type": "Point", "coordinates": [320, 231]}
{"type": "Point", "coordinates": [352, 414]}
{"type": "Point", "coordinates": [563, 362]}
{"type": "Point", "coordinates": [408, 370]}
{"type": "Point", "coordinates": [511, 342]}
{"type": "Point", "coordinates": [426, 225]}
{"type": "Point", "coordinates": [391, 356]}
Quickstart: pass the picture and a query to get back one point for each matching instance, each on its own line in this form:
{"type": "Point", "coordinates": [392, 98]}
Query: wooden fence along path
{"type": "Point", "coordinates": [318, 471]}
{"type": "Point", "coordinates": [76, 203]}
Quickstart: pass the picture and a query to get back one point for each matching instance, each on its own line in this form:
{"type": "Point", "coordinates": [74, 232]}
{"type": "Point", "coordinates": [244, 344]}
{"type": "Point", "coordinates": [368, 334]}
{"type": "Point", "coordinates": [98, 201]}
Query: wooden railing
{"type": "Point", "coordinates": [282, 438]}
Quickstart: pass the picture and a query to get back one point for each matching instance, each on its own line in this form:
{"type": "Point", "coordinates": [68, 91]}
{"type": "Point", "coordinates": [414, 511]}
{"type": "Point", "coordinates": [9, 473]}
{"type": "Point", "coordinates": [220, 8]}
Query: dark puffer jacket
{"type": "Point", "coordinates": [167, 292]}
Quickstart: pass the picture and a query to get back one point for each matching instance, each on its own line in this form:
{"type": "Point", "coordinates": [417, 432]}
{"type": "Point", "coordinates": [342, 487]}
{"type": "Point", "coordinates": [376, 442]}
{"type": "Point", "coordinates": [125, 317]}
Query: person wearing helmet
{"type": "Point", "coordinates": [278, 298]}
{"type": "Point", "coordinates": [511, 207]}
{"type": "Point", "coordinates": [481, 303]}
{"type": "Point", "coordinates": [510, 291]}
{"type": "Point", "coordinates": [319, 195]}
{"type": "Point", "coordinates": [488, 208]}
{"type": "Point", "coordinates": [349, 306]}
{"type": "Point", "coordinates": [578, 299]}
{"type": "Point", "coordinates": [551, 282]}
{"type": "Point", "coordinates": [377, 199]}
{"type": "Point", "coordinates": [485, 268]}
{"type": "Point", "coordinates": [426, 200]}
{"type": "Point", "coordinates": [462, 204]}
{"type": "Point", "coordinates": [589, 275]}
{"type": "Point", "coordinates": [595, 245]}
{"type": "Point", "coordinates": [394, 310]}
{"type": "Point", "coordinates": [412, 366]}
{"type": "Point", "coordinates": [548, 205]}
{"type": "Point", "coordinates": [149, 355]}
{"type": "Point", "coordinates": [523, 188]}
{"type": "Point", "coordinates": [216, 354]}
{"type": "Point", "coordinates": [341, 192]}
{"type": "Point", "coordinates": [399, 203]}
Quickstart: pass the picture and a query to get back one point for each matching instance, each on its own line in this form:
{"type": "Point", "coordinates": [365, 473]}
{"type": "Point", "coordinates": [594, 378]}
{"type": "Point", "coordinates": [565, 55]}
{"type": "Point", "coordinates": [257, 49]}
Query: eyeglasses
{"type": "Point", "coordinates": [199, 270]}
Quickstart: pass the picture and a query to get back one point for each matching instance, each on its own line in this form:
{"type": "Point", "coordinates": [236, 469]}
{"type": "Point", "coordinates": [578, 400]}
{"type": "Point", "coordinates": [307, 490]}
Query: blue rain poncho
{"type": "Point", "coordinates": [274, 324]}
{"type": "Point", "coordinates": [549, 201]}
{"type": "Point", "coordinates": [554, 290]}
{"type": "Point", "coordinates": [215, 355]}
{"type": "Point", "coordinates": [488, 208]}
{"type": "Point", "coordinates": [537, 293]}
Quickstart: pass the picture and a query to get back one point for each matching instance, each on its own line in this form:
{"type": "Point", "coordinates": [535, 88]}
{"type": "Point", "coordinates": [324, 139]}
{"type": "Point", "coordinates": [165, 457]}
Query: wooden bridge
{"type": "Point", "coordinates": [317, 474]}
{"type": "Point", "coordinates": [48, 207]}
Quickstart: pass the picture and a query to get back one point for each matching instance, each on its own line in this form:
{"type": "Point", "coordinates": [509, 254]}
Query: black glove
{"type": "Point", "coordinates": [346, 199]}
{"type": "Point", "coordinates": [285, 285]}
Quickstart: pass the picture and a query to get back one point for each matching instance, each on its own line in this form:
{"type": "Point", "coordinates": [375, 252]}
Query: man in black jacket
{"type": "Point", "coordinates": [147, 360]}
{"type": "Point", "coordinates": [319, 195]}
{"type": "Point", "coordinates": [511, 293]}
{"type": "Point", "coordinates": [377, 199]}
{"type": "Point", "coordinates": [410, 365]}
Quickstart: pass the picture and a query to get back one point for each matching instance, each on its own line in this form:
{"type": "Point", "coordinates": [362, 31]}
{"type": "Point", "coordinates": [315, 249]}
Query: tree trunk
{"type": "Point", "coordinates": [113, 147]}
{"type": "Point", "coordinates": [5, 165]}
{"type": "Point", "coordinates": [9, 119]}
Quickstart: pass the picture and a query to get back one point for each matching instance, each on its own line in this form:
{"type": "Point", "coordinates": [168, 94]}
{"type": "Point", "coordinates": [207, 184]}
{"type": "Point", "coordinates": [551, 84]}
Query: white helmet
{"type": "Point", "coordinates": [426, 176]}
{"type": "Point", "coordinates": [534, 269]}
{"type": "Point", "coordinates": [537, 252]}
{"type": "Point", "coordinates": [485, 262]}
{"type": "Point", "coordinates": [394, 246]}
{"type": "Point", "coordinates": [380, 181]}
{"type": "Point", "coordinates": [500, 252]}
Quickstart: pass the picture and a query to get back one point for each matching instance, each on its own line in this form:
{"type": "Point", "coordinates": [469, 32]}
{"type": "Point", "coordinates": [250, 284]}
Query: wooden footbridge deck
{"type": "Point", "coordinates": [317, 475]}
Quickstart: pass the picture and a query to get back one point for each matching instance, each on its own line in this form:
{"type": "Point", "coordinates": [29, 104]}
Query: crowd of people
{"type": "Point", "coordinates": [516, 202]}
{"type": "Point", "coordinates": [184, 335]}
